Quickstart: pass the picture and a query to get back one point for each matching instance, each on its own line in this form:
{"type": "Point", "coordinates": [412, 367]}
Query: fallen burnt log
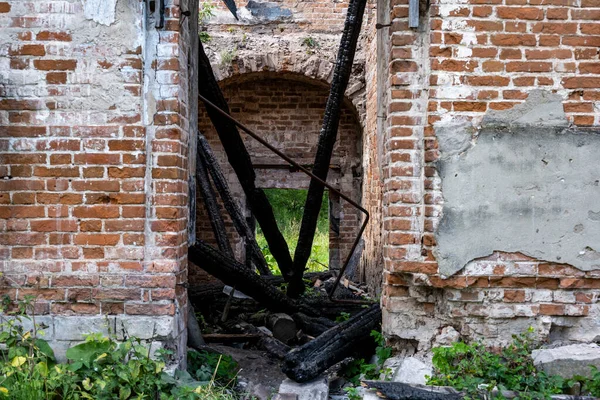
{"type": "Point", "coordinates": [235, 274]}
{"type": "Point", "coordinates": [403, 391]}
{"type": "Point", "coordinates": [210, 295]}
{"type": "Point", "coordinates": [309, 361]}
{"type": "Point", "coordinates": [313, 326]}
{"type": "Point", "coordinates": [266, 342]}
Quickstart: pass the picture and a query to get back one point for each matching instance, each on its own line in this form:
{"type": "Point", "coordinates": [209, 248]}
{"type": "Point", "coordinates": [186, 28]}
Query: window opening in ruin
{"type": "Point", "coordinates": [288, 207]}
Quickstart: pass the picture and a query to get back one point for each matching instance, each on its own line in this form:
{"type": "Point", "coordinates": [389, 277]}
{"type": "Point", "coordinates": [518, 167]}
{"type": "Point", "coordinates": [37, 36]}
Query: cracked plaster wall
{"type": "Point", "coordinates": [526, 183]}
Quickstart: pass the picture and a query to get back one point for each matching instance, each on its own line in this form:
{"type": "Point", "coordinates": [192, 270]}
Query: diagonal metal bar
{"type": "Point", "coordinates": [316, 178]}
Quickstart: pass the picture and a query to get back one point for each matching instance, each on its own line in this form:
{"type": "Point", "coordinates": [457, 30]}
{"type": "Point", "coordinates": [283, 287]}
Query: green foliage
{"type": "Point", "coordinates": [99, 368]}
{"type": "Point", "coordinates": [204, 36]}
{"type": "Point", "coordinates": [359, 369]}
{"type": "Point", "coordinates": [288, 207]}
{"type": "Point", "coordinates": [205, 12]}
{"type": "Point", "coordinates": [352, 393]}
{"type": "Point", "coordinates": [311, 44]}
{"type": "Point", "coordinates": [227, 57]}
{"type": "Point", "coordinates": [344, 316]}
{"type": "Point", "coordinates": [590, 386]}
{"type": "Point", "coordinates": [469, 367]}
{"type": "Point", "coordinates": [382, 351]}
{"type": "Point", "coordinates": [205, 366]}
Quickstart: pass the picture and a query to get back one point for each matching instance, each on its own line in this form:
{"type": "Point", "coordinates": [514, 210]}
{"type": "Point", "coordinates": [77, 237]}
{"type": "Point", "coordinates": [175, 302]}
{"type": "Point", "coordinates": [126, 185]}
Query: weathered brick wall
{"type": "Point", "coordinates": [287, 111]}
{"type": "Point", "coordinates": [94, 126]}
{"type": "Point", "coordinates": [466, 59]}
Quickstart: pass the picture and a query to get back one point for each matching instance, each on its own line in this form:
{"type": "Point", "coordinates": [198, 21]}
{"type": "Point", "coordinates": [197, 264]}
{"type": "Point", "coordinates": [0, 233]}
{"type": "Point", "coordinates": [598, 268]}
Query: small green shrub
{"type": "Point", "coordinates": [344, 316]}
{"type": "Point", "coordinates": [359, 369]}
{"type": "Point", "coordinates": [227, 57]}
{"type": "Point", "coordinates": [205, 366]}
{"type": "Point", "coordinates": [470, 367]}
{"type": "Point", "coordinates": [205, 12]}
{"type": "Point", "coordinates": [100, 368]}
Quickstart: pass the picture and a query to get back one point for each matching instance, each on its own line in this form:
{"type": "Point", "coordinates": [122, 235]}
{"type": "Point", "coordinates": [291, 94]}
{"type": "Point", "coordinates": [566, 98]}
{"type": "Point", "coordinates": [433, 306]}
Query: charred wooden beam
{"type": "Point", "coordinates": [239, 221]}
{"type": "Point", "coordinates": [212, 208]}
{"type": "Point", "coordinates": [403, 391]}
{"type": "Point", "coordinates": [327, 138]}
{"type": "Point", "coordinates": [313, 326]}
{"type": "Point", "coordinates": [309, 361]}
{"type": "Point", "coordinates": [242, 165]}
{"type": "Point", "coordinates": [235, 274]}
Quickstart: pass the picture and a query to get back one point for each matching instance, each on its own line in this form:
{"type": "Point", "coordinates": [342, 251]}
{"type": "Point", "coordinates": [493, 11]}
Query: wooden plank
{"type": "Point", "coordinates": [230, 337]}
{"type": "Point", "coordinates": [413, 13]}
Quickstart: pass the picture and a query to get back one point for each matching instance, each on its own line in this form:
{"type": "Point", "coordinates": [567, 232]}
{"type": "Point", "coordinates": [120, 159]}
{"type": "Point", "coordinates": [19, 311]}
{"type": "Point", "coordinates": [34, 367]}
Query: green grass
{"type": "Point", "coordinates": [288, 207]}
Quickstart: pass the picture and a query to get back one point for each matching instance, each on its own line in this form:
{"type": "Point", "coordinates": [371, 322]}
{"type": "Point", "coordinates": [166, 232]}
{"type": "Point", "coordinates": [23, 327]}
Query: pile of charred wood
{"type": "Point", "coordinates": [291, 316]}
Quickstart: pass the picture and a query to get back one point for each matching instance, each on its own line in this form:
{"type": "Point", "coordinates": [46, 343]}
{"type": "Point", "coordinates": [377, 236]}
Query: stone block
{"type": "Point", "coordinates": [76, 328]}
{"type": "Point", "coordinates": [568, 361]}
{"type": "Point", "coordinates": [317, 389]}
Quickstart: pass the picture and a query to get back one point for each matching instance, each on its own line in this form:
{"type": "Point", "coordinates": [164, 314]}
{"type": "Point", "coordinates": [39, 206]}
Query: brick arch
{"type": "Point", "coordinates": [287, 109]}
{"type": "Point", "coordinates": [301, 67]}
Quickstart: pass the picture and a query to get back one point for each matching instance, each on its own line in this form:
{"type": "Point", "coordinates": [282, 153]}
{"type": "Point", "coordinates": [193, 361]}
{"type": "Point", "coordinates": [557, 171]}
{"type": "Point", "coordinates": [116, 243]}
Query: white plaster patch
{"type": "Point", "coordinates": [454, 92]}
{"type": "Point", "coordinates": [469, 38]}
{"type": "Point", "coordinates": [101, 11]}
{"type": "Point", "coordinates": [463, 52]}
{"type": "Point", "coordinates": [447, 9]}
{"type": "Point", "coordinates": [456, 25]}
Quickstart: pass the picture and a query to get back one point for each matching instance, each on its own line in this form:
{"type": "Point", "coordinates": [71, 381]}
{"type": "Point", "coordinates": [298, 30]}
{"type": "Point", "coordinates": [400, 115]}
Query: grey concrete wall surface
{"type": "Point", "coordinates": [526, 183]}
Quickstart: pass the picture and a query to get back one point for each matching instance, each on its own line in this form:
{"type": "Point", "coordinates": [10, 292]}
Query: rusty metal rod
{"type": "Point", "coordinates": [313, 176]}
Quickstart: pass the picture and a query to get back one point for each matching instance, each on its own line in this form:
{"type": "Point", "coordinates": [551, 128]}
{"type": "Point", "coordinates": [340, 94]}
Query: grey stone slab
{"type": "Point", "coordinates": [568, 361]}
{"type": "Point", "coordinates": [317, 389]}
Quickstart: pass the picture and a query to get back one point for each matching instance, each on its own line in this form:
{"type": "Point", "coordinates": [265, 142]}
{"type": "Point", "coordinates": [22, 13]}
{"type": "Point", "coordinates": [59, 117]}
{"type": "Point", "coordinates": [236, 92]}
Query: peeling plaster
{"type": "Point", "coordinates": [527, 184]}
{"type": "Point", "coordinates": [101, 11]}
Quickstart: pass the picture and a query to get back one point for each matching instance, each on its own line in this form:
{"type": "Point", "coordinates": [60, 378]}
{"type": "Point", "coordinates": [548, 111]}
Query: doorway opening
{"type": "Point", "coordinates": [288, 207]}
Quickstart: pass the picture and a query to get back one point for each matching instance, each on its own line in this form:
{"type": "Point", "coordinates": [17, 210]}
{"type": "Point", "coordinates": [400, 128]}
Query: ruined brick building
{"type": "Point", "coordinates": [471, 139]}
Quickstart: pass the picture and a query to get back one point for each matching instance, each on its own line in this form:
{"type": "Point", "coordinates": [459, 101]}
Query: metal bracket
{"type": "Point", "coordinates": [413, 13]}
{"type": "Point", "coordinates": [157, 8]}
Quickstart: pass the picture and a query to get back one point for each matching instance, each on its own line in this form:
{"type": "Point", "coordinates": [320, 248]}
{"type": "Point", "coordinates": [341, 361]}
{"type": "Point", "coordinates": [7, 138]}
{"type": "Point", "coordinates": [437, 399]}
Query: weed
{"type": "Point", "coordinates": [353, 393]}
{"type": "Point", "coordinates": [99, 368]}
{"type": "Point", "coordinates": [311, 44]}
{"type": "Point", "coordinates": [344, 316]}
{"type": "Point", "coordinates": [227, 57]}
{"type": "Point", "coordinates": [205, 12]}
{"type": "Point", "coordinates": [203, 366]}
{"type": "Point", "coordinates": [469, 367]}
{"type": "Point", "coordinates": [204, 37]}
{"type": "Point", "coordinates": [359, 369]}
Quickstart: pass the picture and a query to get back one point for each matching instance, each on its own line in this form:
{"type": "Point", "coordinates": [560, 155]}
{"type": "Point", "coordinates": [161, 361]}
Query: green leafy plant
{"type": "Point", "coordinates": [205, 12]}
{"type": "Point", "coordinates": [359, 369]}
{"type": "Point", "coordinates": [352, 393]}
{"type": "Point", "coordinates": [470, 367]}
{"type": "Point", "coordinates": [205, 366]}
{"type": "Point", "coordinates": [227, 57]}
{"type": "Point", "coordinates": [344, 316]}
{"type": "Point", "coordinates": [99, 368]}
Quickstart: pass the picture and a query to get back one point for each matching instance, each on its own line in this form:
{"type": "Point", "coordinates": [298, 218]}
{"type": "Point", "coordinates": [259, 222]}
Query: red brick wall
{"type": "Point", "coordinates": [93, 195]}
{"type": "Point", "coordinates": [467, 58]}
{"type": "Point", "coordinates": [288, 113]}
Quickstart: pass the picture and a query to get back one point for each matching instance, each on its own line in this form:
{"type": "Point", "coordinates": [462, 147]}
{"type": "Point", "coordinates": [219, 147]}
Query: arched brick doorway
{"type": "Point", "coordinates": [287, 110]}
